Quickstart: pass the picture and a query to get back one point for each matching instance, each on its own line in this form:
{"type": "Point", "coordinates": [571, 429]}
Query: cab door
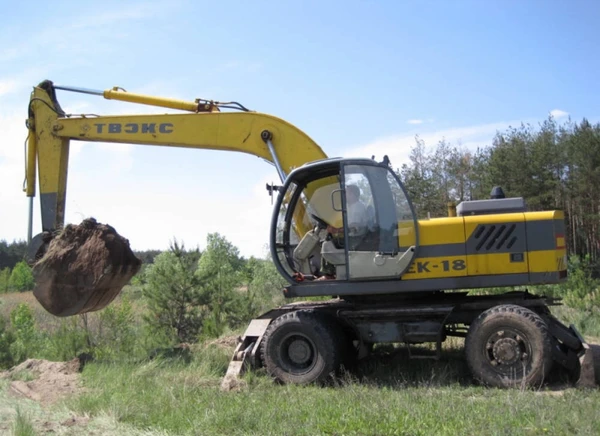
{"type": "Point", "coordinates": [380, 226]}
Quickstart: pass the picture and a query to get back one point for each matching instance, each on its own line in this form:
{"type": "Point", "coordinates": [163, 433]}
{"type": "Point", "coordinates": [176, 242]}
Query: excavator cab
{"type": "Point", "coordinates": [343, 219]}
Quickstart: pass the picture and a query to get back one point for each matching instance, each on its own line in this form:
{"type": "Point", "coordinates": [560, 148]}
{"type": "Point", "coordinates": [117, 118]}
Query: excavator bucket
{"type": "Point", "coordinates": [83, 269]}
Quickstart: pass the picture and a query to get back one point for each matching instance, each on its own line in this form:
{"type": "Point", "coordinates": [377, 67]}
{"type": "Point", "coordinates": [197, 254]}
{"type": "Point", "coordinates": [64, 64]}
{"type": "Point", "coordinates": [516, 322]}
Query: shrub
{"type": "Point", "coordinates": [68, 341]}
{"type": "Point", "coordinates": [117, 335]}
{"type": "Point", "coordinates": [21, 278]}
{"type": "Point", "coordinates": [7, 338]}
{"type": "Point", "coordinates": [4, 280]}
{"type": "Point", "coordinates": [174, 294]}
{"type": "Point", "coordinates": [27, 341]}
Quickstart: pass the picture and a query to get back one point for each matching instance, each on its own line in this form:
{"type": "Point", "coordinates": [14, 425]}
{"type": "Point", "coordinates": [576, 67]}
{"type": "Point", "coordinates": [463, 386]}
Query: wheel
{"type": "Point", "coordinates": [302, 347]}
{"type": "Point", "coordinates": [509, 345]}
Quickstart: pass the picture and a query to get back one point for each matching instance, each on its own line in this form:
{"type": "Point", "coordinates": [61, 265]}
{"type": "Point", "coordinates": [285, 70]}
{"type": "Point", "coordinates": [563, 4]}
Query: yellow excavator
{"type": "Point", "coordinates": [346, 228]}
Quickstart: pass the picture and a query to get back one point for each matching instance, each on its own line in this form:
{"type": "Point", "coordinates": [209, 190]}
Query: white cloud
{"type": "Point", "coordinates": [414, 121]}
{"type": "Point", "coordinates": [557, 114]}
{"type": "Point", "coordinates": [73, 36]}
{"type": "Point", "coordinates": [398, 147]}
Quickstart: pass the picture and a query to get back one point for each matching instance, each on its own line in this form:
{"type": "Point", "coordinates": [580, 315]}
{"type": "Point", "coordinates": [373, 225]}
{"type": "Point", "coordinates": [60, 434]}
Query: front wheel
{"type": "Point", "coordinates": [509, 345]}
{"type": "Point", "coordinates": [302, 347]}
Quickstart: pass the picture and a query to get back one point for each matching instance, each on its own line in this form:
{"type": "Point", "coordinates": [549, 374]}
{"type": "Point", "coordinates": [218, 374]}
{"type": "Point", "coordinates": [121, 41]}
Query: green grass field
{"type": "Point", "coordinates": [386, 394]}
{"type": "Point", "coordinates": [391, 396]}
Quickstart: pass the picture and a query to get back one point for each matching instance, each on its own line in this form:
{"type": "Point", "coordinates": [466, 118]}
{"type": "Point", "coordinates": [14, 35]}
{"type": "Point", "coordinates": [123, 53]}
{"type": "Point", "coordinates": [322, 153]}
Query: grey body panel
{"type": "Point", "coordinates": [497, 238]}
{"type": "Point", "coordinates": [541, 235]}
{"type": "Point", "coordinates": [486, 207]}
{"type": "Point", "coordinates": [49, 204]}
{"type": "Point", "coordinates": [342, 287]}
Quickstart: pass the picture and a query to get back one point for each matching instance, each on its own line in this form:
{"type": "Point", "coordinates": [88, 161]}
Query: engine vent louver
{"type": "Point", "coordinates": [494, 237]}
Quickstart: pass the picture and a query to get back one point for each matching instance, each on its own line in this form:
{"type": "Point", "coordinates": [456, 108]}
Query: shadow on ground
{"type": "Point", "coordinates": [393, 367]}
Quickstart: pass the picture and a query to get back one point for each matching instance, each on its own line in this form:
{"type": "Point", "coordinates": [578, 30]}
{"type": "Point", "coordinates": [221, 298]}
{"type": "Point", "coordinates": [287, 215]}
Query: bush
{"type": "Point", "coordinates": [117, 334]}
{"type": "Point", "coordinates": [27, 341]}
{"type": "Point", "coordinates": [4, 280]}
{"type": "Point", "coordinates": [68, 341]}
{"type": "Point", "coordinates": [21, 278]}
{"type": "Point", "coordinates": [7, 338]}
{"type": "Point", "coordinates": [174, 294]}
{"type": "Point", "coordinates": [580, 291]}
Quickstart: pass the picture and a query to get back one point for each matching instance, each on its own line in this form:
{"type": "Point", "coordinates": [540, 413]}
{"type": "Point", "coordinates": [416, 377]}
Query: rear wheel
{"type": "Point", "coordinates": [509, 345]}
{"type": "Point", "coordinates": [302, 347]}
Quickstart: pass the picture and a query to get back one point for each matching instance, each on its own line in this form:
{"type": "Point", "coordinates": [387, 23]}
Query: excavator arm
{"type": "Point", "coordinates": [204, 127]}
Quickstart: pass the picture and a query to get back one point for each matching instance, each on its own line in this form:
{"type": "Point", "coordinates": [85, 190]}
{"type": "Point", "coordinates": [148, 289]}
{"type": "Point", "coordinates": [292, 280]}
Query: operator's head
{"type": "Point", "coordinates": [352, 193]}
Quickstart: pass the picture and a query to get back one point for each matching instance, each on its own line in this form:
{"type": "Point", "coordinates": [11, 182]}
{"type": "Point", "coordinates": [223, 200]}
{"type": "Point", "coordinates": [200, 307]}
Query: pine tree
{"type": "Point", "coordinates": [175, 294]}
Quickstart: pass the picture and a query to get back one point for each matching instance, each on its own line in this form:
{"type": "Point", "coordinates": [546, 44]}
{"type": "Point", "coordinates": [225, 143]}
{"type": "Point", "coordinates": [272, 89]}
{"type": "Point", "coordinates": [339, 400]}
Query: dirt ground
{"type": "Point", "coordinates": [44, 381]}
{"type": "Point", "coordinates": [34, 390]}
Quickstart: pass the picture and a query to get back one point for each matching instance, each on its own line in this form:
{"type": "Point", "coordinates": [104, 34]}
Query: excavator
{"type": "Point", "coordinates": [387, 277]}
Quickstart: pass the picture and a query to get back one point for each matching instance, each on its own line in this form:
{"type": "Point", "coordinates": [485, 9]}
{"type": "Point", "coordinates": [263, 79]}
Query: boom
{"type": "Point", "coordinates": [205, 127]}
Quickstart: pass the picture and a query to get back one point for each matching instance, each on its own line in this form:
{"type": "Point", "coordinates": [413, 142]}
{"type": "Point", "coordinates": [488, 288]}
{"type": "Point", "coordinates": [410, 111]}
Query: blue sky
{"type": "Point", "coordinates": [360, 77]}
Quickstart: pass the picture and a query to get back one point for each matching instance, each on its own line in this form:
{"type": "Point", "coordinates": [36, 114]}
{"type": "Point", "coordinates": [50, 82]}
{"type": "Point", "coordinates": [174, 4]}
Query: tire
{"type": "Point", "coordinates": [302, 347]}
{"type": "Point", "coordinates": [509, 346]}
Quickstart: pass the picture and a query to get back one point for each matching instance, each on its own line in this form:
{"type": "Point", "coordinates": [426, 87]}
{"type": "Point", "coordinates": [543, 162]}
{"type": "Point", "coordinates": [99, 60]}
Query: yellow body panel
{"type": "Point", "coordinates": [444, 248]}
{"type": "Point", "coordinates": [499, 263]}
{"type": "Point", "coordinates": [547, 261]}
{"type": "Point", "coordinates": [432, 232]}
{"type": "Point", "coordinates": [436, 267]}
{"type": "Point", "coordinates": [442, 231]}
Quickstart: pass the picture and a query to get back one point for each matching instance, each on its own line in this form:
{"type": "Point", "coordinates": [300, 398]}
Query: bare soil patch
{"type": "Point", "coordinates": [225, 342]}
{"type": "Point", "coordinates": [50, 381]}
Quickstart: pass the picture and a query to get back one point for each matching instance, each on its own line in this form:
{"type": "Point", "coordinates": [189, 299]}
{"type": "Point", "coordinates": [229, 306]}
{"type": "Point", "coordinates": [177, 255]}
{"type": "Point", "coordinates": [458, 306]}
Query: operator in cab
{"type": "Point", "coordinates": [358, 226]}
{"type": "Point", "coordinates": [358, 217]}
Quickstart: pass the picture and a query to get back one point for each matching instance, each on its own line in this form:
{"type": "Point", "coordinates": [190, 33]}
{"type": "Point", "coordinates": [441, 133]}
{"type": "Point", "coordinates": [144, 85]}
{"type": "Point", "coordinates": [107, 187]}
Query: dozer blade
{"type": "Point", "coordinates": [589, 364]}
{"type": "Point", "coordinates": [245, 354]}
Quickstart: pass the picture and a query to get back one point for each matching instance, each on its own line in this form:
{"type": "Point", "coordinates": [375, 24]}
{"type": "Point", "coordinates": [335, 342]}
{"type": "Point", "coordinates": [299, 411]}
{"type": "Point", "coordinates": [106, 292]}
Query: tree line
{"type": "Point", "coordinates": [552, 166]}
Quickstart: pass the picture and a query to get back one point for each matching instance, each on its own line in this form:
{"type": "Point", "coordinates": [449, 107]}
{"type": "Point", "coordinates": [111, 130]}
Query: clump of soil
{"type": "Point", "coordinates": [225, 342]}
{"type": "Point", "coordinates": [84, 269]}
{"type": "Point", "coordinates": [52, 381]}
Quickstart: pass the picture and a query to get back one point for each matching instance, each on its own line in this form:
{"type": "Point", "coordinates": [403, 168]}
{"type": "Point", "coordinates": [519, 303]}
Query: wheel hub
{"type": "Point", "coordinates": [299, 352]}
{"type": "Point", "coordinates": [507, 351]}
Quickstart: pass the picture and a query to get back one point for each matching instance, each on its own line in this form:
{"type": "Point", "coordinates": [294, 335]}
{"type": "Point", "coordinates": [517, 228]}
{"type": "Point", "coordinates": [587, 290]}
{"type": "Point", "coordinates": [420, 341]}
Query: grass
{"type": "Point", "coordinates": [390, 395]}
{"type": "Point", "coordinates": [22, 375]}
{"type": "Point", "coordinates": [22, 425]}
{"type": "Point", "coordinates": [587, 322]}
